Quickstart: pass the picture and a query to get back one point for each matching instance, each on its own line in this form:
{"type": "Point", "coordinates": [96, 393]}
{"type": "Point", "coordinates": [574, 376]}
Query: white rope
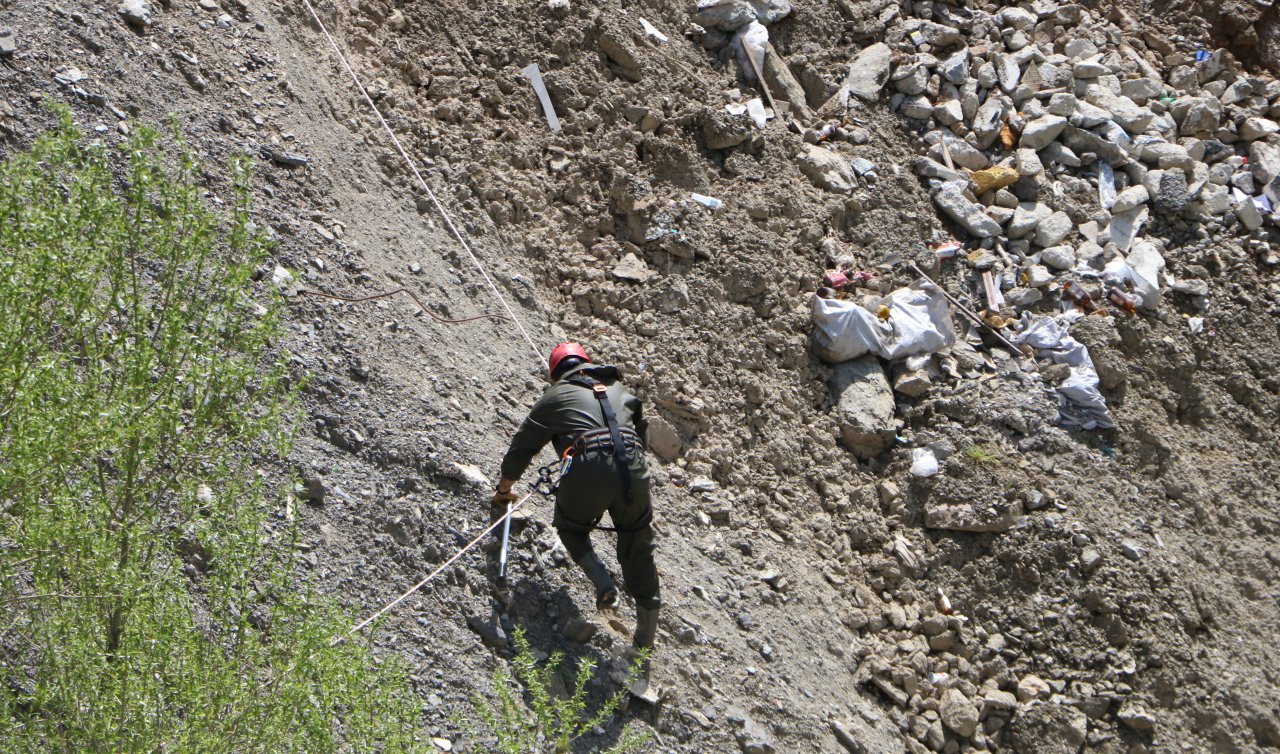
{"type": "Point", "coordinates": [537, 353]}
{"type": "Point", "coordinates": [433, 574]}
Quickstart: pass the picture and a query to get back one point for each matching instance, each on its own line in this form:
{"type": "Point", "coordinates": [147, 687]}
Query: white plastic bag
{"type": "Point", "coordinates": [749, 45]}
{"type": "Point", "coordinates": [919, 322]}
{"type": "Point", "coordinates": [923, 462]}
{"type": "Point", "coordinates": [1145, 265]}
{"type": "Point", "coordinates": [1080, 402]}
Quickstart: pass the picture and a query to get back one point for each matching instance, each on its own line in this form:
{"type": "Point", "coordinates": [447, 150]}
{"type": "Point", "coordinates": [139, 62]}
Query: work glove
{"type": "Point", "coordinates": [500, 498]}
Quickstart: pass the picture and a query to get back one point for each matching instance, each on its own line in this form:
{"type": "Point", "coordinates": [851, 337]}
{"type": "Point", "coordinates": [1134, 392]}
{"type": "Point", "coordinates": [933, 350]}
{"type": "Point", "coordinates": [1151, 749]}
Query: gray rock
{"type": "Point", "coordinates": [8, 43]}
{"type": "Point", "coordinates": [1136, 717]}
{"type": "Point", "coordinates": [927, 168]}
{"type": "Point", "coordinates": [1049, 729]}
{"type": "Point", "coordinates": [1257, 128]}
{"type": "Point", "coordinates": [1018, 18]}
{"type": "Point", "coordinates": [1132, 550]}
{"type": "Point", "coordinates": [1264, 161]}
{"type": "Point", "coordinates": [727, 17]}
{"type": "Point", "coordinates": [1039, 133]}
{"type": "Point", "coordinates": [1130, 198]}
{"type": "Point", "coordinates": [1167, 155]}
{"type": "Point", "coordinates": [988, 121]}
{"type": "Point", "coordinates": [1126, 112]}
{"type": "Point", "coordinates": [1023, 297]}
{"type": "Point", "coordinates": [955, 69]}
{"type": "Point", "coordinates": [1141, 89]}
{"type": "Point", "coordinates": [1197, 115]}
{"type": "Point", "coordinates": [1008, 72]}
{"type": "Point", "coordinates": [1214, 200]}
{"type": "Point", "coordinates": [1079, 48]}
{"type": "Point", "coordinates": [1059, 257]}
{"type": "Point", "coordinates": [1063, 104]}
{"type": "Point", "coordinates": [948, 113]}
{"type": "Point", "coordinates": [958, 713]}
{"type": "Point", "coordinates": [1053, 229]}
{"type": "Point", "coordinates": [1089, 69]}
{"type": "Point", "coordinates": [1026, 217]}
{"type": "Point", "coordinates": [827, 170]}
{"type": "Point", "coordinates": [910, 80]}
{"type": "Point", "coordinates": [918, 107]}
{"type": "Point", "coordinates": [868, 72]}
{"type": "Point", "coordinates": [1172, 196]}
{"type": "Point", "coordinates": [963, 154]}
{"type": "Point", "coordinates": [752, 737]}
{"type": "Point", "coordinates": [965, 213]}
{"type": "Point", "coordinates": [136, 13]}
{"type": "Point", "coordinates": [864, 406]}
{"type": "Point", "coordinates": [973, 517]}
{"type": "Point", "coordinates": [1061, 154]}
{"type": "Point", "coordinates": [987, 76]}
{"type": "Point", "coordinates": [1248, 215]}
{"type": "Point", "coordinates": [1027, 162]}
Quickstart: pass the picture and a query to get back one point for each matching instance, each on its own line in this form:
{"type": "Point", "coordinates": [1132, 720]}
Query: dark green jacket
{"type": "Point", "coordinates": [567, 410]}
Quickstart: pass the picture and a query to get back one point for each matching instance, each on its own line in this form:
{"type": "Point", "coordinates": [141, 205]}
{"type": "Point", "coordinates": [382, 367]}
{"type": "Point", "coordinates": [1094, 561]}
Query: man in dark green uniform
{"type": "Point", "coordinates": [588, 414]}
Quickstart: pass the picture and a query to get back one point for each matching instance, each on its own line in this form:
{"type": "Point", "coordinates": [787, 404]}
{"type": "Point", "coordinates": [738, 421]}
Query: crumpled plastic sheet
{"type": "Point", "coordinates": [919, 322]}
{"type": "Point", "coordinates": [1080, 402]}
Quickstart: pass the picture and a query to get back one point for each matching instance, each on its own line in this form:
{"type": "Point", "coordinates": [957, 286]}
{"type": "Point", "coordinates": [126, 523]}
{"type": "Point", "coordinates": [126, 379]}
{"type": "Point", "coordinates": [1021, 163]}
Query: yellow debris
{"type": "Point", "coordinates": [993, 179]}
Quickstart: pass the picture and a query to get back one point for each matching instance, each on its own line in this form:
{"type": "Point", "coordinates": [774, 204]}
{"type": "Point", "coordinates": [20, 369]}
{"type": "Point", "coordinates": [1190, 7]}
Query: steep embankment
{"type": "Point", "coordinates": [1130, 600]}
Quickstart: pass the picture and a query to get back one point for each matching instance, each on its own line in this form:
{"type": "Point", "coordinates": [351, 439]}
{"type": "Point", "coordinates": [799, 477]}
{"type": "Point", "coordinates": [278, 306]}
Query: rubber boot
{"type": "Point", "coordinates": [646, 627]}
{"type": "Point", "coordinates": [606, 591]}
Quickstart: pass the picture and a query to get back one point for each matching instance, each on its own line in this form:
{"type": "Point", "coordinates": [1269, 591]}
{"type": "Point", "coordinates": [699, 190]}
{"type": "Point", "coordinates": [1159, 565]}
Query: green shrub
{"type": "Point", "coordinates": [145, 602]}
{"type": "Point", "coordinates": [551, 721]}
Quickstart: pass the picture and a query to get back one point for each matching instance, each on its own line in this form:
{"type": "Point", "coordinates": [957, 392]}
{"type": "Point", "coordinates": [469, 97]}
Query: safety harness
{"type": "Point", "coordinates": [600, 391]}
{"type": "Point", "coordinates": [620, 438]}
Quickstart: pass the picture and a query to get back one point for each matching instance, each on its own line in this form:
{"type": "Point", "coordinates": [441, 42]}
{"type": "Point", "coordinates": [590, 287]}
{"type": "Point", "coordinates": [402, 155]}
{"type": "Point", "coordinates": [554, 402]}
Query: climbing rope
{"type": "Point", "coordinates": [444, 215]}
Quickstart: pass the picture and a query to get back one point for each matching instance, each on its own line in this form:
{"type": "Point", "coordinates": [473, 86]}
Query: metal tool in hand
{"type": "Point", "coordinates": [506, 538]}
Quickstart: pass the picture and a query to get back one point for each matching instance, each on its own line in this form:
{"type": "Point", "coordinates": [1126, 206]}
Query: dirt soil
{"type": "Point", "coordinates": [1131, 606]}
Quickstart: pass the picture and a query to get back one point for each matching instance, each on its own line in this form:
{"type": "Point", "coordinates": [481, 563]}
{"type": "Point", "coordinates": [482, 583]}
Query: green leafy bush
{"type": "Point", "coordinates": [550, 721]}
{"type": "Point", "coordinates": [146, 601]}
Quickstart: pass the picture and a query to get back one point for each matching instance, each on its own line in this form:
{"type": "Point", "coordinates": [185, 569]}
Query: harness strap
{"type": "Point", "coordinates": [566, 523]}
{"type": "Point", "coordinates": [600, 391]}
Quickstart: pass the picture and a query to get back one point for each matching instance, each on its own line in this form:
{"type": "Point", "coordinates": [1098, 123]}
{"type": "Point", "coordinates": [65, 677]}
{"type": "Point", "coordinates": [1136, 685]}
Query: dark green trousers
{"type": "Point", "coordinates": [587, 492]}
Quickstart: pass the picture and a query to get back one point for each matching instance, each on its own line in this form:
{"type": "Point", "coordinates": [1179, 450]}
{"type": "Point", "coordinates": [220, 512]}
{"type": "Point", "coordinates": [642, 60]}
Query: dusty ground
{"type": "Point", "coordinates": [800, 582]}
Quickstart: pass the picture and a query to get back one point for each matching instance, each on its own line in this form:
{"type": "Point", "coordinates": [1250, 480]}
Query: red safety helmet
{"type": "Point", "coordinates": [565, 351]}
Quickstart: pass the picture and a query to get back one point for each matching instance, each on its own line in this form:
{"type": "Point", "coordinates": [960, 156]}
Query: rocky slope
{"type": "Point", "coordinates": [1110, 589]}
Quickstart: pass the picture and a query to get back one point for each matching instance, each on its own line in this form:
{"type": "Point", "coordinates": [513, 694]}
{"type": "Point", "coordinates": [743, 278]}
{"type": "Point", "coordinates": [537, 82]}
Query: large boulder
{"type": "Point", "coordinates": [864, 406]}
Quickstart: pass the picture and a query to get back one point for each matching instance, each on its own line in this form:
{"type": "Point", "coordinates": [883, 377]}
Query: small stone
{"type": "Point", "coordinates": [1257, 128]}
{"type": "Point", "coordinates": [958, 713]}
{"type": "Point", "coordinates": [827, 170]}
{"type": "Point", "coordinates": [1053, 229]}
{"type": "Point", "coordinates": [1130, 198]}
{"type": "Point", "coordinates": [993, 178]}
{"type": "Point", "coordinates": [1172, 196]}
{"type": "Point", "coordinates": [1063, 104]}
{"type": "Point", "coordinates": [1136, 717]}
{"type": "Point", "coordinates": [136, 13]}
{"type": "Point", "coordinates": [1031, 687]}
{"type": "Point", "coordinates": [912, 382]}
{"type": "Point", "coordinates": [1040, 132]}
{"type": "Point", "coordinates": [1027, 163]}
{"type": "Point", "coordinates": [917, 108]}
{"type": "Point", "coordinates": [632, 269]}
{"type": "Point", "coordinates": [1248, 215]}
{"type": "Point", "coordinates": [1037, 276]}
{"type": "Point", "coordinates": [1059, 257]}
{"type": "Point", "coordinates": [965, 213]}
{"type": "Point", "coordinates": [1023, 297]}
{"type": "Point", "coordinates": [869, 72]}
{"type": "Point", "coordinates": [1090, 559]}
{"type": "Point", "coordinates": [865, 408]}
{"type": "Point", "coordinates": [1089, 69]}
{"type": "Point", "coordinates": [1132, 550]}
{"type": "Point", "coordinates": [580, 630]}
{"type": "Point", "coordinates": [8, 43]}
{"type": "Point", "coordinates": [1026, 218]}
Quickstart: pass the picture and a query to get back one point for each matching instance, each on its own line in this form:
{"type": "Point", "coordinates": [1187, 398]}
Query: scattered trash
{"type": "Point", "coordinates": [945, 249]}
{"type": "Point", "coordinates": [710, 202]}
{"type": "Point", "coordinates": [923, 462]}
{"type": "Point", "coordinates": [757, 112]}
{"type": "Point", "coordinates": [652, 31]}
{"type": "Point", "coordinates": [1126, 301]}
{"type": "Point", "coordinates": [1106, 184]}
{"type": "Point", "coordinates": [1196, 325]}
{"type": "Point", "coordinates": [748, 46]}
{"type": "Point", "coordinates": [1079, 296]}
{"type": "Point", "coordinates": [1080, 402]}
{"type": "Point", "coordinates": [915, 322]}
{"type": "Point", "coordinates": [534, 75]}
{"type": "Point", "coordinates": [1202, 55]}
{"type": "Point", "coordinates": [735, 108]}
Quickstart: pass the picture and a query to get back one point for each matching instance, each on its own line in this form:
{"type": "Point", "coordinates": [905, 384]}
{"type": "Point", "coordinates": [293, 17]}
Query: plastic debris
{"type": "Point", "coordinates": [923, 462]}
{"type": "Point", "coordinates": [918, 322]}
{"type": "Point", "coordinates": [757, 112]}
{"type": "Point", "coordinates": [652, 31]}
{"type": "Point", "coordinates": [735, 108]}
{"type": "Point", "coordinates": [534, 75]}
{"type": "Point", "coordinates": [1080, 402]}
{"type": "Point", "coordinates": [749, 45]}
{"type": "Point", "coordinates": [1195, 324]}
{"type": "Point", "coordinates": [710, 202]}
{"type": "Point", "coordinates": [1106, 184]}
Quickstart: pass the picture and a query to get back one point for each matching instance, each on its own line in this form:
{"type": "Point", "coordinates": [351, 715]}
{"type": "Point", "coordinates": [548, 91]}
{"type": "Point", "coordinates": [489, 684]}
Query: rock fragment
{"type": "Point", "coordinates": [864, 406]}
